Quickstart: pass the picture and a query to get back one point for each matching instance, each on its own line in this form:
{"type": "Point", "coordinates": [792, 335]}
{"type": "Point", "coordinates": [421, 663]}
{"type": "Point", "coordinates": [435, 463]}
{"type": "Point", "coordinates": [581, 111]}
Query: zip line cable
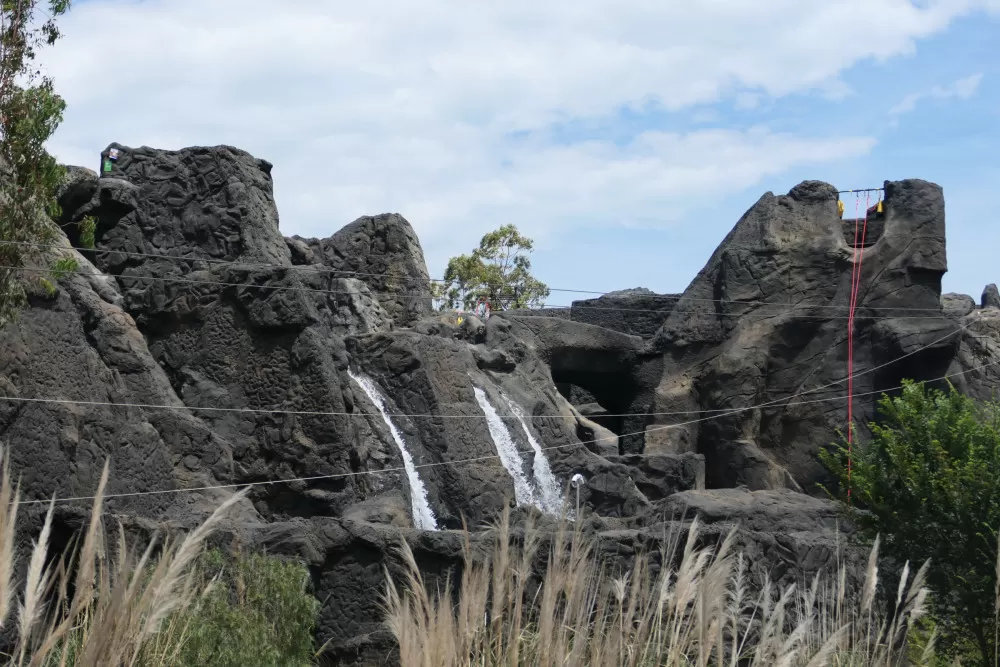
{"type": "Point", "coordinates": [786, 307]}
{"type": "Point", "coordinates": [323, 413]}
{"type": "Point", "coordinates": [718, 413]}
{"type": "Point", "coordinates": [320, 270]}
{"type": "Point", "coordinates": [856, 267]}
{"type": "Point", "coordinates": [436, 464]}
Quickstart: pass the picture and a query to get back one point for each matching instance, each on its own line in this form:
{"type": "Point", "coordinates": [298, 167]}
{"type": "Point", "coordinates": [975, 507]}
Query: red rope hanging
{"type": "Point", "coordinates": [859, 255]}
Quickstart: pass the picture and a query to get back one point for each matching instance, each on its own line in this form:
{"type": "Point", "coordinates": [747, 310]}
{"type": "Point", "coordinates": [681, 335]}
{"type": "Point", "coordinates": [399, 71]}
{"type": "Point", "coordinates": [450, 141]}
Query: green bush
{"type": "Point", "coordinates": [258, 611]}
{"type": "Point", "coordinates": [64, 266]}
{"type": "Point", "coordinates": [930, 482]}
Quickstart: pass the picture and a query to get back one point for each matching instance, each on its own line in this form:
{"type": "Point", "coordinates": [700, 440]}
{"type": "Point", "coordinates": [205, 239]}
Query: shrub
{"type": "Point", "coordinates": [30, 112]}
{"type": "Point", "coordinates": [257, 611]}
{"type": "Point", "coordinates": [103, 611]}
{"type": "Point", "coordinates": [185, 607]}
{"type": "Point", "coordinates": [928, 481]}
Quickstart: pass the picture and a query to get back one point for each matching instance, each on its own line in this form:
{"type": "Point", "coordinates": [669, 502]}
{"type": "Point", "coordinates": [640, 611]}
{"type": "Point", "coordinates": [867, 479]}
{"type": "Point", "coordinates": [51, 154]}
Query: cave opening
{"type": "Point", "coordinates": [605, 389]}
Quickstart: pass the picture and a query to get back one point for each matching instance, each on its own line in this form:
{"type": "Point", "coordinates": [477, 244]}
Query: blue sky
{"type": "Point", "coordinates": [626, 137]}
{"type": "Point", "coordinates": [949, 140]}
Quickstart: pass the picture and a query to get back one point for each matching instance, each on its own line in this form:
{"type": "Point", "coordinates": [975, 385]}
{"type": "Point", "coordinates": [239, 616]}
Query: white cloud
{"type": "Point", "coordinates": [399, 105]}
{"type": "Point", "coordinates": [962, 89]}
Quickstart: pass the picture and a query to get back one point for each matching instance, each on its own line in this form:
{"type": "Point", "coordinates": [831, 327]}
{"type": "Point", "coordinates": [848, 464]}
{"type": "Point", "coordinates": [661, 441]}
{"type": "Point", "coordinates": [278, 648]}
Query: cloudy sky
{"type": "Point", "coordinates": [625, 136]}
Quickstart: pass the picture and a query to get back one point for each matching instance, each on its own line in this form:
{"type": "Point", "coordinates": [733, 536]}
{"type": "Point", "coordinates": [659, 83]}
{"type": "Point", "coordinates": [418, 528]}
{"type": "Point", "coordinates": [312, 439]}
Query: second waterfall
{"type": "Point", "coordinates": [546, 496]}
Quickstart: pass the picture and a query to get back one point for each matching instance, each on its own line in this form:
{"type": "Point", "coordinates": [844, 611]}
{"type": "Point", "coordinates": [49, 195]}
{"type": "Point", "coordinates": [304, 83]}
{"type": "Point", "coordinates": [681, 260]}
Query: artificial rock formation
{"type": "Point", "coordinates": [198, 346]}
{"type": "Point", "coordinates": [765, 323]}
{"type": "Point", "coordinates": [991, 297]}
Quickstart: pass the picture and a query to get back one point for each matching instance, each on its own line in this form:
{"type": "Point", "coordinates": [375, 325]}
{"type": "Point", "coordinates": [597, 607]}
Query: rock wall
{"type": "Point", "coordinates": [765, 322]}
{"type": "Point", "coordinates": [639, 312]}
{"type": "Point", "coordinates": [382, 252]}
{"type": "Point", "coordinates": [198, 346]}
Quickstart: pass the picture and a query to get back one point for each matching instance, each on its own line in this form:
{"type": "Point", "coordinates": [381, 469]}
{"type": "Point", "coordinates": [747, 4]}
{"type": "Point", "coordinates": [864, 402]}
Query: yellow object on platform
{"type": "Point", "coordinates": [840, 207]}
{"type": "Point", "coordinates": [878, 209]}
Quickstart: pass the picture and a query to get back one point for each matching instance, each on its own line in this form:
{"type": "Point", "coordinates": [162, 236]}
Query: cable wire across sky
{"type": "Point", "coordinates": [489, 457]}
{"type": "Point", "coordinates": [648, 429]}
{"type": "Point", "coordinates": [312, 268]}
{"type": "Point", "coordinates": [333, 413]}
{"type": "Point", "coordinates": [936, 313]}
{"type": "Point", "coordinates": [707, 415]}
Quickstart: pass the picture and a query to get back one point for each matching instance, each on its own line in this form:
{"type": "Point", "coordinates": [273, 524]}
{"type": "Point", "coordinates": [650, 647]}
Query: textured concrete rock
{"type": "Point", "coordinates": [957, 305]}
{"type": "Point", "coordinates": [384, 252]}
{"type": "Point", "coordinates": [786, 536]}
{"type": "Point", "coordinates": [991, 297]}
{"type": "Point", "coordinates": [191, 238]}
{"type": "Point", "coordinates": [614, 369]}
{"type": "Point", "coordinates": [196, 302]}
{"type": "Point", "coordinates": [639, 312]}
{"type": "Point", "coordinates": [82, 355]}
{"type": "Point", "coordinates": [432, 378]}
{"type": "Point", "coordinates": [765, 322]}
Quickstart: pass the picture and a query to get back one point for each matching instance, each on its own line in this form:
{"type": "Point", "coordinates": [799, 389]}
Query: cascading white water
{"type": "Point", "coordinates": [507, 450]}
{"type": "Point", "coordinates": [423, 517]}
{"type": "Point", "coordinates": [549, 497]}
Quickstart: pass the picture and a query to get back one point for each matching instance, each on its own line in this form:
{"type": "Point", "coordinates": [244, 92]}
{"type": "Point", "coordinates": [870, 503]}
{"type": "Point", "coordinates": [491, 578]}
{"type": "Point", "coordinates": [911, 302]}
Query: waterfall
{"type": "Point", "coordinates": [507, 450]}
{"type": "Point", "coordinates": [550, 499]}
{"type": "Point", "coordinates": [423, 517]}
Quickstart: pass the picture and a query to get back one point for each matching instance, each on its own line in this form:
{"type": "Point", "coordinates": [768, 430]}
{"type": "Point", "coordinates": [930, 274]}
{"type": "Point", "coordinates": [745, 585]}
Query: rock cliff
{"type": "Point", "coordinates": [199, 347]}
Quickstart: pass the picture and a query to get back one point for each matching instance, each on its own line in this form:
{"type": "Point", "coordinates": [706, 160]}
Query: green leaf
{"type": "Point", "coordinates": [30, 112]}
{"type": "Point", "coordinates": [928, 481]}
{"type": "Point", "coordinates": [498, 271]}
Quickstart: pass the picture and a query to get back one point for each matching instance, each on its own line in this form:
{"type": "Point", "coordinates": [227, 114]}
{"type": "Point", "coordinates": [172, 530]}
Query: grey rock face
{"type": "Point", "coordinates": [382, 251]}
{"type": "Point", "coordinates": [787, 536]}
{"type": "Point", "coordinates": [639, 312]}
{"type": "Point", "coordinates": [957, 305]}
{"type": "Point", "coordinates": [991, 297]}
{"type": "Point", "coordinates": [616, 370]}
{"type": "Point", "coordinates": [80, 348]}
{"type": "Point", "coordinates": [194, 301]}
{"type": "Point", "coordinates": [766, 322]}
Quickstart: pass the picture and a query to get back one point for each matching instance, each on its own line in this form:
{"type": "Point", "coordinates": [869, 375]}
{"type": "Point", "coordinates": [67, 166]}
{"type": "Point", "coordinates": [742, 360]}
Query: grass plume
{"type": "Point", "coordinates": [105, 611]}
{"type": "Point", "coordinates": [693, 606]}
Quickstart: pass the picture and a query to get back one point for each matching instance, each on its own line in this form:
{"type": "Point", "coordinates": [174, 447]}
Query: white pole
{"type": "Point", "coordinates": [577, 481]}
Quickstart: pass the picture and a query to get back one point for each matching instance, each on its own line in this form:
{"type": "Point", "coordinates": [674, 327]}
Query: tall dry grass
{"type": "Point", "coordinates": [702, 611]}
{"type": "Point", "coordinates": [88, 609]}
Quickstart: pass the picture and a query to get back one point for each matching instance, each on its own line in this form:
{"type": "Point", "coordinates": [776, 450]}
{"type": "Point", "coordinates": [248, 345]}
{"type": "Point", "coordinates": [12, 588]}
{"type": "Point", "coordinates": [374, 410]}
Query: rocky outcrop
{"type": "Point", "coordinates": [639, 312]}
{"type": "Point", "coordinates": [765, 323]}
{"type": "Point", "coordinates": [383, 252]}
{"type": "Point", "coordinates": [198, 347]}
{"type": "Point", "coordinates": [957, 305]}
{"type": "Point", "coordinates": [786, 536]}
{"type": "Point", "coordinates": [991, 297]}
{"type": "Point", "coordinates": [614, 371]}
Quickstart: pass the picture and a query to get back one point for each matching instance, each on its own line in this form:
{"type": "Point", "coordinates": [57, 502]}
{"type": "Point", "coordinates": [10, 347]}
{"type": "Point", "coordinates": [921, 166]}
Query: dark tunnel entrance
{"type": "Point", "coordinates": [607, 390]}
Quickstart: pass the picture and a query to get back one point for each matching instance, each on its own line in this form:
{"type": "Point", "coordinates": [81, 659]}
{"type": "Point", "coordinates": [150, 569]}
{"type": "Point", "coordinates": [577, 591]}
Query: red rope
{"type": "Point", "coordinates": [859, 255]}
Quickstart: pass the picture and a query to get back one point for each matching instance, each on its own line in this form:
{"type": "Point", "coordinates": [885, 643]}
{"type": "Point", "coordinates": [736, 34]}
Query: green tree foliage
{"type": "Point", "coordinates": [30, 112]}
{"type": "Point", "coordinates": [88, 227]}
{"type": "Point", "coordinates": [498, 271]}
{"type": "Point", "coordinates": [258, 611]}
{"type": "Point", "coordinates": [929, 481]}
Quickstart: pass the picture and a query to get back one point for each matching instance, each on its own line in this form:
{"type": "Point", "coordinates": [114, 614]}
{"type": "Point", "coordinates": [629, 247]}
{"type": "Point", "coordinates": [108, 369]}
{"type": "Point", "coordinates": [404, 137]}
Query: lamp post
{"type": "Point", "coordinates": [577, 481]}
